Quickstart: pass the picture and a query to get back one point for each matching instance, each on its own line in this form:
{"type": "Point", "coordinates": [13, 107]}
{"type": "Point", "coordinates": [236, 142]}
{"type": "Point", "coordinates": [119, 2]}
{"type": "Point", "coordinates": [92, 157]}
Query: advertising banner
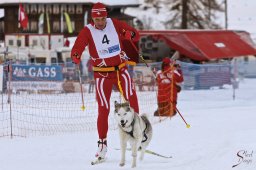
{"type": "Point", "coordinates": [36, 73]}
{"type": "Point", "coordinates": [36, 85]}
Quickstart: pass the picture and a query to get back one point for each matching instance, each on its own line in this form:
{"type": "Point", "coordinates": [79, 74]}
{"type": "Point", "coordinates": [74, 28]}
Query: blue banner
{"type": "Point", "coordinates": [36, 73]}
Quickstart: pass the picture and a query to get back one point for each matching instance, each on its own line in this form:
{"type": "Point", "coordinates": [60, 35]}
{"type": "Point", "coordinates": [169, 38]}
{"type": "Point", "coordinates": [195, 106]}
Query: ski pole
{"type": "Point", "coordinates": [177, 110]}
{"type": "Point", "coordinates": [142, 58]}
{"type": "Point", "coordinates": [188, 125]}
{"type": "Point", "coordinates": [81, 87]}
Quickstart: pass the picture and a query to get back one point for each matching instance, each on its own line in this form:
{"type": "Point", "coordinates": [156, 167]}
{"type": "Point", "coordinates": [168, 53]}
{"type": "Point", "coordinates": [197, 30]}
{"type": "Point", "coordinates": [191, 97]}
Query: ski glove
{"type": "Point", "coordinates": [177, 66]}
{"type": "Point", "coordinates": [76, 58]}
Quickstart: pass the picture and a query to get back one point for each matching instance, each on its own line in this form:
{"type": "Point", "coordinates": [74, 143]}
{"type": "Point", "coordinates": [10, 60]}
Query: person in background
{"type": "Point", "coordinates": [168, 79]}
{"type": "Point", "coordinates": [66, 43]}
{"type": "Point", "coordinates": [104, 37]}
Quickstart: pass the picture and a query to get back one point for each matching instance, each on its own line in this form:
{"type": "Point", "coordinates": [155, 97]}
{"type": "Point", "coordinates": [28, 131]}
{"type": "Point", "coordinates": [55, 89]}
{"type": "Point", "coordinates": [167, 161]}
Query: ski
{"type": "Point", "coordinates": [98, 161]}
{"type": "Point", "coordinates": [157, 154]}
{"type": "Point", "coordinates": [150, 152]}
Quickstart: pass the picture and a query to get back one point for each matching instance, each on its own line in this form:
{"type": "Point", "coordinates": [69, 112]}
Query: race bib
{"type": "Point", "coordinates": [106, 41]}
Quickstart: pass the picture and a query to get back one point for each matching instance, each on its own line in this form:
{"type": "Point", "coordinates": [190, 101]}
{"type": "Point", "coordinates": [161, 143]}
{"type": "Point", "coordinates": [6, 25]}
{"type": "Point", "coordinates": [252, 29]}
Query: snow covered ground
{"type": "Point", "coordinates": [222, 134]}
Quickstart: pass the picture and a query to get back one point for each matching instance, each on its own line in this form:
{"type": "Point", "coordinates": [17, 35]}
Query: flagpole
{"type": "Point", "coordinates": [18, 49]}
{"type": "Point", "coordinates": [85, 18]}
{"type": "Point", "coordinates": [18, 31]}
{"type": "Point", "coordinates": [61, 22]}
{"type": "Point", "coordinates": [22, 23]}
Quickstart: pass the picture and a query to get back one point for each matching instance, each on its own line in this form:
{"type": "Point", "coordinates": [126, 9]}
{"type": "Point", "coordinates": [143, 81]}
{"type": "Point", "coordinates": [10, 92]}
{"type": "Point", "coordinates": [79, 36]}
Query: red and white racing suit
{"type": "Point", "coordinates": [167, 80]}
{"type": "Point", "coordinates": [105, 48]}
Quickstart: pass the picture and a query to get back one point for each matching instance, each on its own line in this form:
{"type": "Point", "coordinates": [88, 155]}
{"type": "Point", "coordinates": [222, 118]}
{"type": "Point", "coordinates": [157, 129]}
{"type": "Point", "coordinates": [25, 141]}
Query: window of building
{"type": "Point", "coordinates": [56, 9]}
{"type": "Point", "coordinates": [56, 26]}
{"type": "Point", "coordinates": [79, 9]}
{"type": "Point", "coordinates": [26, 7]}
{"type": "Point", "coordinates": [33, 9]}
{"type": "Point", "coordinates": [2, 27]}
{"type": "Point", "coordinates": [71, 9]}
{"type": "Point", "coordinates": [34, 43]}
{"type": "Point", "coordinates": [18, 43]}
{"type": "Point", "coordinates": [64, 8]}
{"type": "Point", "coordinates": [53, 61]}
{"type": "Point", "coordinates": [246, 59]}
{"type": "Point", "coordinates": [40, 8]}
{"type": "Point", "coordinates": [10, 43]}
{"type": "Point", "coordinates": [32, 60]}
{"type": "Point", "coordinates": [48, 9]}
{"type": "Point", "coordinates": [33, 27]}
{"type": "Point", "coordinates": [40, 60]}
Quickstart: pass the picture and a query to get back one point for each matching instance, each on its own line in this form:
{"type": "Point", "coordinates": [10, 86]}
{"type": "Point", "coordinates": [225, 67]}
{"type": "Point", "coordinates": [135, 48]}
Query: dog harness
{"type": "Point", "coordinates": [115, 68]}
{"type": "Point", "coordinates": [144, 132]}
{"type": "Point", "coordinates": [131, 132]}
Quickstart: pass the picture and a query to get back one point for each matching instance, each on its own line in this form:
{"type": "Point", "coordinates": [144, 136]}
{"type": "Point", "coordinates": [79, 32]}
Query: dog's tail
{"type": "Point", "coordinates": [144, 116]}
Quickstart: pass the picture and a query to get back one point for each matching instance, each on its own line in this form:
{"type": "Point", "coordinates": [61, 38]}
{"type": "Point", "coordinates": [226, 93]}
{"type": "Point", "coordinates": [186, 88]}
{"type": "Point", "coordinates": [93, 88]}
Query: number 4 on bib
{"type": "Point", "coordinates": [105, 39]}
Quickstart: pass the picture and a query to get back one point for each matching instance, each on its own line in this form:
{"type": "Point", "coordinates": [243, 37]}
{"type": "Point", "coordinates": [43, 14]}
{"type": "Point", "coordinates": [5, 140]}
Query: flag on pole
{"type": "Point", "coordinates": [41, 24]}
{"type": "Point", "coordinates": [61, 23]}
{"type": "Point", "coordinates": [23, 18]}
{"type": "Point", "coordinates": [68, 22]}
{"type": "Point", "coordinates": [48, 23]}
{"type": "Point", "coordinates": [85, 18]}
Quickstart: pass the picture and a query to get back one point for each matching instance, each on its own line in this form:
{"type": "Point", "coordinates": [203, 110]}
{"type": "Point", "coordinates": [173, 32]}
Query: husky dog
{"type": "Point", "coordinates": [133, 128]}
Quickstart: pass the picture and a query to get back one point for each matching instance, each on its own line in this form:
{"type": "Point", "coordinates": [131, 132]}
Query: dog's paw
{"type": "Point", "coordinates": [121, 164]}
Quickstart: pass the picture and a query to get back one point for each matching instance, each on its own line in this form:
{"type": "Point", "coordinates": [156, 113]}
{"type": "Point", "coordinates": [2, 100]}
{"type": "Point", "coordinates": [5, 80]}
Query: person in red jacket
{"type": "Point", "coordinates": [168, 80]}
{"type": "Point", "coordinates": [104, 36]}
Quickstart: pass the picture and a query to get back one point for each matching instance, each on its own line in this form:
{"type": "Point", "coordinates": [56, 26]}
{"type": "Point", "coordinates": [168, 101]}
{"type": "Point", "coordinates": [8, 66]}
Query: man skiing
{"type": "Point", "coordinates": [104, 38]}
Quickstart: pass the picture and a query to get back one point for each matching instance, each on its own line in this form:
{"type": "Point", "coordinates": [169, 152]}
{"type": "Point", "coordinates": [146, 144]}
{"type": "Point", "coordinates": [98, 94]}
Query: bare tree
{"type": "Point", "coordinates": [186, 14]}
{"type": "Point", "coordinates": [189, 14]}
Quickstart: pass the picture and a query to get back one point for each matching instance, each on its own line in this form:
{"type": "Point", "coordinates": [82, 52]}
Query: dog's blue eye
{"type": "Point", "coordinates": [118, 114]}
{"type": "Point", "coordinates": [125, 113]}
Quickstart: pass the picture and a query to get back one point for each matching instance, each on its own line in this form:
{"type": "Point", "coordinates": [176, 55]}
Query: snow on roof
{"type": "Point", "coordinates": [106, 2]}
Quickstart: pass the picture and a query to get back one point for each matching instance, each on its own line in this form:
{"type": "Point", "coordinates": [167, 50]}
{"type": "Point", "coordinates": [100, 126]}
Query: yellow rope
{"type": "Point", "coordinates": [119, 86]}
